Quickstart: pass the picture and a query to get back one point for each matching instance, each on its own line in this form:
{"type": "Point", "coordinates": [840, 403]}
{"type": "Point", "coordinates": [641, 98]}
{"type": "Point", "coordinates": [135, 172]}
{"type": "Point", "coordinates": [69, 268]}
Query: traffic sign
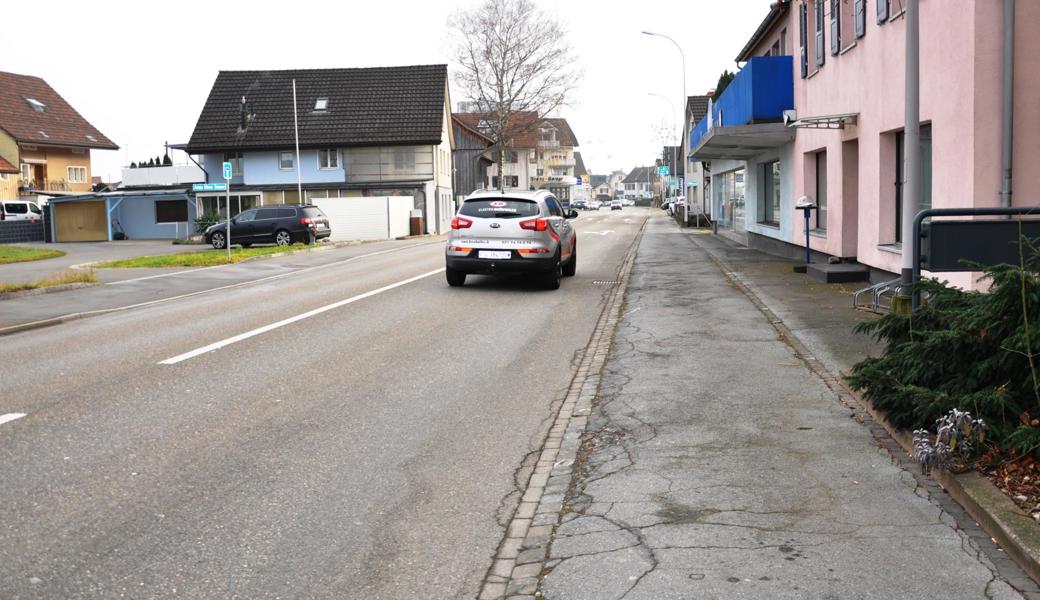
{"type": "Point", "coordinates": [209, 187]}
{"type": "Point", "coordinates": [227, 170]}
{"type": "Point", "coordinates": [661, 170]}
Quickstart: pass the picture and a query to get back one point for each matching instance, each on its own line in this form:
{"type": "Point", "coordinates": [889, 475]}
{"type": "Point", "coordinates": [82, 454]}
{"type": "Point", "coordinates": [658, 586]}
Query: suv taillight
{"type": "Point", "coordinates": [306, 221]}
{"type": "Point", "coordinates": [535, 224]}
{"type": "Point", "coordinates": [461, 223]}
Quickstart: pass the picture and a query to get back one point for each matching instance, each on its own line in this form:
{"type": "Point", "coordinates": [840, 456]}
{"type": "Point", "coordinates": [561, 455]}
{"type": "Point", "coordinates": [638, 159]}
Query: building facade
{"type": "Point", "coordinates": [837, 69]}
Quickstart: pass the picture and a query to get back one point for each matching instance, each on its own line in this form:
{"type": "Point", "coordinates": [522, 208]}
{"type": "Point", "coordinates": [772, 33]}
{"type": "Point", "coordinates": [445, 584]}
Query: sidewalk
{"type": "Point", "coordinates": [715, 464]}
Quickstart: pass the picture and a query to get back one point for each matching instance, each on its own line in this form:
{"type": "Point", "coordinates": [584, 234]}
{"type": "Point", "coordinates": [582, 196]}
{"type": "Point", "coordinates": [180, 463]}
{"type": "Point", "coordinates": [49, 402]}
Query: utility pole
{"type": "Point", "coordinates": [912, 153]}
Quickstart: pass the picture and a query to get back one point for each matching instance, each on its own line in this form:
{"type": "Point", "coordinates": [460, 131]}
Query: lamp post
{"type": "Point", "coordinates": [683, 57]}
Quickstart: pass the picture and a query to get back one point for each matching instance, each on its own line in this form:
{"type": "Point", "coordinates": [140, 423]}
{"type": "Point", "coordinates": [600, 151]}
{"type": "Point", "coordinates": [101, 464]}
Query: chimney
{"type": "Point", "coordinates": [242, 113]}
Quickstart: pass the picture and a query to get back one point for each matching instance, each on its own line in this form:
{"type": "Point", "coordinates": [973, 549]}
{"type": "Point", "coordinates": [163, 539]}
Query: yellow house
{"type": "Point", "coordinates": [44, 143]}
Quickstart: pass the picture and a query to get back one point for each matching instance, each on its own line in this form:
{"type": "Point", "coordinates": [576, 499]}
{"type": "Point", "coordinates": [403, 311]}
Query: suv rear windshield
{"type": "Point", "coordinates": [499, 208]}
{"type": "Point", "coordinates": [313, 212]}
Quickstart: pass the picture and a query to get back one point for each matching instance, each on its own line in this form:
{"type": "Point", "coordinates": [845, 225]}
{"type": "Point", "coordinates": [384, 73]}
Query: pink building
{"type": "Point", "coordinates": [845, 146]}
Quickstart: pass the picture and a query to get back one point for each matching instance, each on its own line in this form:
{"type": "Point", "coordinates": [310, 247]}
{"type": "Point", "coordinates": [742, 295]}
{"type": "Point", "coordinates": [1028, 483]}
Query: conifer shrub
{"type": "Point", "coordinates": [964, 350]}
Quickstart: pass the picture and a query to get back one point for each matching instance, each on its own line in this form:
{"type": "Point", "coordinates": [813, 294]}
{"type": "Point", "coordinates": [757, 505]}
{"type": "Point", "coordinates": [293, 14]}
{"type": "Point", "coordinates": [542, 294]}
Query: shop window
{"type": "Point", "coordinates": [769, 199]}
{"type": "Point", "coordinates": [926, 175]}
{"type": "Point", "coordinates": [821, 190]}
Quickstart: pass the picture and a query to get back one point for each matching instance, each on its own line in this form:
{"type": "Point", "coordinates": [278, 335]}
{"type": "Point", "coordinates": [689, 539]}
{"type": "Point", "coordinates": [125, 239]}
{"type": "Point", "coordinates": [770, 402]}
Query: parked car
{"type": "Point", "coordinates": [281, 224]}
{"type": "Point", "coordinates": [512, 232]}
{"type": "Point", "coordinates": [615, 205]}
{"type": "Point", "coordinates": [595, 204]}
{"type": "Point", "coordinates": [20, 210]}
{"type": "Point", "coordinates": [580, 204]}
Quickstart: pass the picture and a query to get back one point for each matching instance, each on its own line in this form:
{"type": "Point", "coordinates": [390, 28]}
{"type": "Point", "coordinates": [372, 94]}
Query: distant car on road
{"type": "Point", "coordinates": [20, 210]}
{"type": "Point", "coordinates": [580, 204]}
{"type": "Point", "coordinates": [615, 205]}
{"type": "Point", "coordinates": [281, 224]}
{"type": "Point", "coordinates": [595, 204]}
{"type": "Point", "coordinates": [512, 232]}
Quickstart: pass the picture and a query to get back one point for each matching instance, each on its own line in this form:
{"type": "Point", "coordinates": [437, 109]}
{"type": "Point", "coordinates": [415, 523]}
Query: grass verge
{"type": "Point", "coordinates": [65, 278]}
{"type": "Point", "coordinates": [16, 254]}
{"type": "Point", "coordinates": [203, 258]}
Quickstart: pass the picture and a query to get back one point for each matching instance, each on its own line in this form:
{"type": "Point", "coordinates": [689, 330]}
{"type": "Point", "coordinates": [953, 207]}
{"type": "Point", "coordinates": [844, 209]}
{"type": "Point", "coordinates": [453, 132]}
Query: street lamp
{"type": "Point", "coordinates": [683, 56]}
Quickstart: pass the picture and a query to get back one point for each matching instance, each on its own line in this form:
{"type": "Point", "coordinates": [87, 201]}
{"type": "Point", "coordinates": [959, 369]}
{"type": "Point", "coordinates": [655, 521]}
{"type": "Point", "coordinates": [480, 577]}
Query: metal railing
{"type": "Point", "coordinates": [878, 292]}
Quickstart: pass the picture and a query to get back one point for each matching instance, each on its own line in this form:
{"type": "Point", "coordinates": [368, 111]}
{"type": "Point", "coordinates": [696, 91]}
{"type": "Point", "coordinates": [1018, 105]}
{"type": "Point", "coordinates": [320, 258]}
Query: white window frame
{"type": "Point", "coordinates": [69, 171]}
{"type": "Point", "coordinates": [321, 104]}
{"type": "Point", "coordinates": [292, 161]}
{"type": "Point", "coordinates": [26, 172]}
{"type": "Point", "coordinates": [332, 154]}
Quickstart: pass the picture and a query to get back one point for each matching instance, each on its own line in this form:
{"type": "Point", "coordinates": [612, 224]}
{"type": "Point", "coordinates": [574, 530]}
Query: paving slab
{"type": "Point", "coordinates": [716, 464]}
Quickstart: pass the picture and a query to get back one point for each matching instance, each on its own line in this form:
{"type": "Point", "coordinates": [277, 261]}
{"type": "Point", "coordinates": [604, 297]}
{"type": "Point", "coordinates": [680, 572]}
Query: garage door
{"type": "Point", "coordinates": [369, 218]}
{"type": "Point", "coordinates": [80, 221]}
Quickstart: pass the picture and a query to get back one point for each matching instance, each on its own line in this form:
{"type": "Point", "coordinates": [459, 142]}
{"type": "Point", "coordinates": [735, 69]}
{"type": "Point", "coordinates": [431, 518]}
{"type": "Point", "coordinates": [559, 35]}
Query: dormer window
{"type": "Point", "coordinates": [36, 104]}
{"type": "Point", "coordinates": [321, 104]}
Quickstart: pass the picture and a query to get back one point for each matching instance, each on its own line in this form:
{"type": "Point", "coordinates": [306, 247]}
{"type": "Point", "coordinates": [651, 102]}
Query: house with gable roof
{"type": "Point", "coordinates": [382, 131]}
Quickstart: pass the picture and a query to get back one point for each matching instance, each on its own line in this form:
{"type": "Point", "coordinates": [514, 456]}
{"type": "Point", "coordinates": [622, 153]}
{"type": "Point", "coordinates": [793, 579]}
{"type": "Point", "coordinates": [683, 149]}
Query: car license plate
{"type": "Point", "coordinates": [496, 254]}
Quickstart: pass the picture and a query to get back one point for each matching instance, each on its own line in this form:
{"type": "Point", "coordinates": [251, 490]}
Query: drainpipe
{"type": "Point", "coordinates": [1008, 110]}
{"type": "Point", "coordinates": [911, 144]}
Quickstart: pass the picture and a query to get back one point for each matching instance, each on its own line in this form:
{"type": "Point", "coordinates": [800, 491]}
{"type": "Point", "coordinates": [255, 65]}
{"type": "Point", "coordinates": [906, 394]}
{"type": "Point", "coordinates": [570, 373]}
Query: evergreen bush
{"type": "Point", "coordinates": [971, 351]}
{"type": "Point", "coordinates": [205, 220]}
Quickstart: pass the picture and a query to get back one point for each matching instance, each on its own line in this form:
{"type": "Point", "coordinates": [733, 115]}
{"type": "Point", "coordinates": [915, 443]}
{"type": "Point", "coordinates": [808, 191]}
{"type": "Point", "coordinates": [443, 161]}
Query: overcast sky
{"type": "Point", "coordinates": [140, 72]}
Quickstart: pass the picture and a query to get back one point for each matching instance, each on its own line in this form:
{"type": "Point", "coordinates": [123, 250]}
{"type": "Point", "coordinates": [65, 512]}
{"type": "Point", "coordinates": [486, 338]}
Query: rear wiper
{"type": "Point", "coordinates": [506, 216]}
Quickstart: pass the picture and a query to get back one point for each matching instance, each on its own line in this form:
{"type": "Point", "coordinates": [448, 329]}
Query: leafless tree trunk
{"type": "Point", "coordinates": [513, 58]}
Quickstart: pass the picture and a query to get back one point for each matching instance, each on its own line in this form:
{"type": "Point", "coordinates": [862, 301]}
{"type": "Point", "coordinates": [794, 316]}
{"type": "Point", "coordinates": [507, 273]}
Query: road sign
{"type": "Point", "coordinates": [661, 170]}
{"type": "Point", "coordinates": [209, 187]}
{"type": "Point", "coordinates": [227, 170]}
{"type": "Point", "coordinates": [227, 204]}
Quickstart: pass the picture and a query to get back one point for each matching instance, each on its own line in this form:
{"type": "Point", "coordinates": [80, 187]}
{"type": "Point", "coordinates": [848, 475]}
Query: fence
{"type": "Point", "coordinates": [20, 231]}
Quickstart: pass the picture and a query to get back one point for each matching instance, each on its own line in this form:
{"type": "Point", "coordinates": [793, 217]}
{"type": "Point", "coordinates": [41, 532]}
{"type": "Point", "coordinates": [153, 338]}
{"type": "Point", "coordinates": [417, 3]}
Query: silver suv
{"type": "Point", "coordinates": [512, 232]}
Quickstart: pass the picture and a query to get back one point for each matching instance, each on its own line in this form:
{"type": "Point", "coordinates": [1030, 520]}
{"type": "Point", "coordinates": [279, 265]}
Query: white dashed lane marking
{"type": "Point", "coordinates": [10, 417]}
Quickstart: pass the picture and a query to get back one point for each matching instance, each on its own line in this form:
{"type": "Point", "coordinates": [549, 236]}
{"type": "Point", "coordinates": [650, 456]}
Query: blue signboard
{"type": "Point", "coordinates": [209, 187]}
{"type": "Point", "coordinates": [227, 170]}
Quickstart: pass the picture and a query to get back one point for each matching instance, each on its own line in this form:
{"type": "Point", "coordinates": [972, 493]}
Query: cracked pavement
{"type": "Point", "coordinates": [715, 464]}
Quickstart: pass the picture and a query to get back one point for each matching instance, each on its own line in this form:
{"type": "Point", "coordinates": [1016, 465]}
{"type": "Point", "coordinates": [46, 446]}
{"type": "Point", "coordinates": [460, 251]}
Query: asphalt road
{"type": "Point", "coordinates": [368, 451]}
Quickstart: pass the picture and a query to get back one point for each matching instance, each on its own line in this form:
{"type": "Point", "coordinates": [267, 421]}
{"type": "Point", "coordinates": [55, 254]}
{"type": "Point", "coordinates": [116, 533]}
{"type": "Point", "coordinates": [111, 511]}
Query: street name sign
{"type": "Point", "coordinates": [209, 187]}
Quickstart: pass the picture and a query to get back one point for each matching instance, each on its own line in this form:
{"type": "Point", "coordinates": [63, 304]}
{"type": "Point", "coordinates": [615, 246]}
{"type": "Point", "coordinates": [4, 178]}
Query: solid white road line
{"type": "Point", "coordinates": [10, 417]}
{"type": "Point", "coordinates": [290, 320]}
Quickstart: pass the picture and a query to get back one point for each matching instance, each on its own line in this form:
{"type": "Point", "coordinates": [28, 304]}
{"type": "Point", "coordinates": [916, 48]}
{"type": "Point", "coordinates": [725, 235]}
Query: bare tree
{"type": "Point", "coordinates": [514, 58]}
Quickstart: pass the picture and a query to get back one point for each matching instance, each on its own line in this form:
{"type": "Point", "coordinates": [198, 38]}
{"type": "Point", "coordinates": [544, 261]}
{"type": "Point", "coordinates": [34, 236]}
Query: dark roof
{"type": "Point", "coordinates": [598, 180]}
{"type": "Point", "coordinates": [366, 107]}
{"type": "Point", "coordinates": [697, 107]}
{"type": "Point", "coordinates": [579, 165]}
{"type": "Point", "coordinates": [566, 137]}
{"type": "Point", "coordinates": [525, 127]}
{"type": "Point", "coordinates": [641, 175]}
{"type": "Point", "coordinates": [776, 12]}
{"type": "Point", "coordinates": [59, 123]}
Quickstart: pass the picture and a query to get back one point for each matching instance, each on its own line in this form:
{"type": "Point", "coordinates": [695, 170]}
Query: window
{"type": "Point", "coordinates": [554, 207]}
{"type": "Point", "coordinates": [783, 42]}
{"type": "Point", "coordinates": [246, 217]}
{"type": "Point", "coordinates": [235, 158]}
{"type": "Point", "coordinates": [171, 211]}
{"type": "Point", "coordinates": [328, 159]}
{"type": "Point", "coordinates": [836, 26]}
{"type": "Point", "coordinates": [803, 47]}
{"type": "Point", "coordinates": [512, 157]}
{"type": "Point", "coordinates": [770, 197]}
{"type": "Point", "coordinates": [926, 175]}
{"type": "Point", "coordinates": [547, 135]}
{"type": "Point", "coordinates": [91, 138]}
{"type": "Point", "coordinates": [26, 172]}
{"type": "Point", "coordinates": [775, 50]}
{"type": "Point", "coordinates": [859, 12]}
{"type": "Point", "coordinates": [43, 133]}
{"type": "Point", "coordinates": [818, 7]}
{"type": "Point", "coordinates": [77, 174]}
{"type": "Point", "coordinates": [499, 208]}
{"type": "Point", "coordinates": [882, 11]}
{"type": "Point", "coordinates": [285, 161]}
{"type": "Point", "coordinates": [321, 104]}
{"type": "Point", "coordinates": [404, 160]}
{"type": "Point", "coordinates": [18, 208]}
{"type": "Point", "coordinates": [267, 213]}
{"type": "Point", "coordinates": [36, 104]}
{"type": "Point", "coordinates": [821, 190]}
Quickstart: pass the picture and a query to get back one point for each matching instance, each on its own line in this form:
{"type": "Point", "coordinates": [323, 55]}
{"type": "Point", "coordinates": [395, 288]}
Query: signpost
{"type": "Point", "coordinates": [227, 203]}
{"type": "Point", "coordinates": [662, 170]}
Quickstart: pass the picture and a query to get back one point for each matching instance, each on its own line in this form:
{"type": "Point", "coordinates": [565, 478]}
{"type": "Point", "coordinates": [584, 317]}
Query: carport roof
{"type": "Point", "coordinates": [741, 142]}
{"type": "Point", "coordinates": [6, 167]}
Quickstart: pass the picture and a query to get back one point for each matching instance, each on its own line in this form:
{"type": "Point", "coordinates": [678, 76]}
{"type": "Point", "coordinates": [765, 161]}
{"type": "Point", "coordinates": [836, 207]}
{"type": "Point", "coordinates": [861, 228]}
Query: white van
{"type": "Point", "coordinates": [20, 210]}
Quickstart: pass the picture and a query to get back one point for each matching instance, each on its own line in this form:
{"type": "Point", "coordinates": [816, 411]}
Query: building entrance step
{"type": "Point", "coordinates": [840, 273]}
